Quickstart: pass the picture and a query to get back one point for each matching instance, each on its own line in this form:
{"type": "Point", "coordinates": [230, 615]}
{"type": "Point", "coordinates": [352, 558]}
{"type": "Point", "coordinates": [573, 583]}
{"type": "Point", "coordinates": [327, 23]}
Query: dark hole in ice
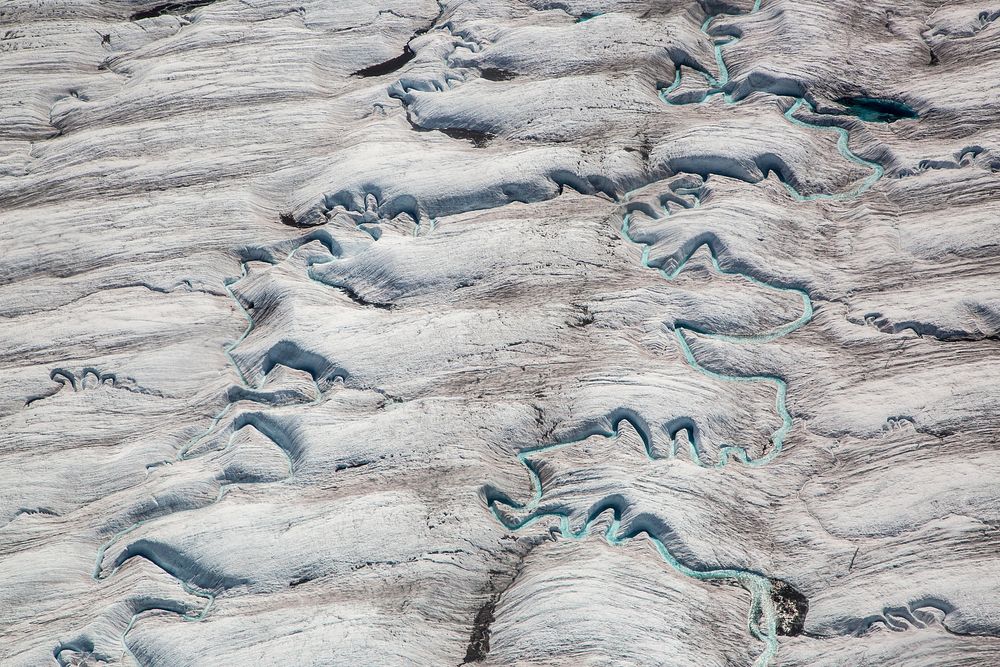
{"type": "Point", "coordinates": [875, 110]}
{"type": "Point", "coordinates": [389, 66]}
{"type": "Point", "coordinates": [170, 8]}
{"type": "Point", "coordinates": [408, 54]}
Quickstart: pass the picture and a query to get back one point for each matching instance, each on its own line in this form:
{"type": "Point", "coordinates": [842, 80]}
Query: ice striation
{"type": "Point", "coordinates": [509, 332]}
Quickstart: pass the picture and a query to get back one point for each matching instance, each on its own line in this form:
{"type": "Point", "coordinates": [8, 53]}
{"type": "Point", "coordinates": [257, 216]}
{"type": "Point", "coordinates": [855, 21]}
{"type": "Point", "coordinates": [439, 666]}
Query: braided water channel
{"type": "Point", "coordinates": [762, 621]}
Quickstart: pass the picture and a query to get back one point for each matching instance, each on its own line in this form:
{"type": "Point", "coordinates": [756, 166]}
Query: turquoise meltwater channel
{"type": "Point", "coordinates": [762, 621]}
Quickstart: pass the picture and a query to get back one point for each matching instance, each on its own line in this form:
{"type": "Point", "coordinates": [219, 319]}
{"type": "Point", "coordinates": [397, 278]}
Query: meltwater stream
{"type": "Point", "coordinates": [726, 452]}
{"type": "Point", "coordinates": [209, 597]}
{"type": "Point", "coordinates": [183, 454]}
{"type": "Point", "coordinates": [866, 108]}
{"type": "Point", "coordinates": [762, 620]}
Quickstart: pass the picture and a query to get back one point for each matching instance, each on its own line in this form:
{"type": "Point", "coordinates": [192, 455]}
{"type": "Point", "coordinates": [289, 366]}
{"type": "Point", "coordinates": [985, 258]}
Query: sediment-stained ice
{"type": "Point", "coordinates": [502, 332]}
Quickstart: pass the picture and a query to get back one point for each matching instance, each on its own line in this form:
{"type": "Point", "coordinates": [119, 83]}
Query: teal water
{"type": "Point", "coordinates": [726, 452]}
{"type": "Point", "coordinates": [762, 605]}
{"type": "Point", "coordinates": [877, 110]}
{"type": "Point", "coordinates": [759, 587]}
{"type": "Point", "coordinates": [843, 140]}
{"type": "Point", "coordinates": [864, 108]}
{"type": "Point", "coordinates": [200, 615]}
{"type": "Point", "coordinates": [762, 618]}
{"type": "Point", "coordinates": [182, 454]}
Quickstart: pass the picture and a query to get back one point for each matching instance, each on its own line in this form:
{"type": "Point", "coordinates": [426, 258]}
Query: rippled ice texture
{"type": "Point", "coordinates": [505, 332]}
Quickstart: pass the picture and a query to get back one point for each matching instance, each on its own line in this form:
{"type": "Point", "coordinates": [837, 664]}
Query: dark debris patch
{"type": "Point", "coordinates": [479, 139]}
{"type": "Point", "coordinates": [479, 642]}
{"type": "Point", "coordinates": [362, 301]}
{"type": "Point", "coordinates": [496, 74]}
{"type": "Point", "coordinates": [289, 220]}
{"type": "Point", "coordinates": [791, 607]}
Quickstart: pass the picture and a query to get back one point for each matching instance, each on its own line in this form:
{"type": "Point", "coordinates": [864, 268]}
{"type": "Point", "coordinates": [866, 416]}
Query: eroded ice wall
{"type": "Point", "coordinates": [507, 332]}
